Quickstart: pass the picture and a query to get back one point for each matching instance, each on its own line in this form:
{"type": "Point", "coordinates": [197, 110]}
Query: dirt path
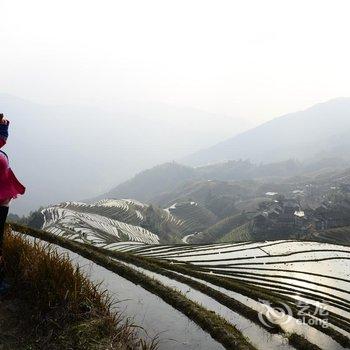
{"type": "Point", "coordinates": [10, 325]}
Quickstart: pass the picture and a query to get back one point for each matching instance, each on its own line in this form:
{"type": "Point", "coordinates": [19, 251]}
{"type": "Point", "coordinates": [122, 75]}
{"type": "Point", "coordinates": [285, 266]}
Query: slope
{"type": "Point", "coordinates": [324, 127]}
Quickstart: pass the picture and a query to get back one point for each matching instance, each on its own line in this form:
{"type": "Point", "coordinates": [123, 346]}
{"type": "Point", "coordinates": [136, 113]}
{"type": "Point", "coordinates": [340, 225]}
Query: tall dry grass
{"type": "Point", "coordinates": [66, 310]}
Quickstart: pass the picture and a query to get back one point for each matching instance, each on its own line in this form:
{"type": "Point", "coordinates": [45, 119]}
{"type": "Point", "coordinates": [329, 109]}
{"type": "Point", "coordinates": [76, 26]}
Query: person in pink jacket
{"type": "Point", "coordinates": [10, 188]}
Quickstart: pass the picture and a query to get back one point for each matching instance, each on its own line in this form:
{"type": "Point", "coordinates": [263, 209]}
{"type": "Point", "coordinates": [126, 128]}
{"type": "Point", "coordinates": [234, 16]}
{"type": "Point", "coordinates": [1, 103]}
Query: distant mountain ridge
{"type": "Point", "coordinates": [321, 129]}
{"type": "Point", "coordinates": [169, 182]}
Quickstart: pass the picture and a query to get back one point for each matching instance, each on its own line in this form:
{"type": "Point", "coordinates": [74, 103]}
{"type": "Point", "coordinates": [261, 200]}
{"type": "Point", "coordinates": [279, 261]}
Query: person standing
{"type": "Point", "coordinates": [10, 188]}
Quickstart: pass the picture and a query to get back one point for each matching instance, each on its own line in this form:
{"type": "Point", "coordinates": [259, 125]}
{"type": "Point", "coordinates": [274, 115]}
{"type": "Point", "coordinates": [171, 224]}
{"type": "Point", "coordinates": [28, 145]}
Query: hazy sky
{"type": "Point", "coordinates": [251, 59]}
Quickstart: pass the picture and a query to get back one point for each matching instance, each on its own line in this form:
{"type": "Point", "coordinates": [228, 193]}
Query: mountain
{"type": "Point", "coordinates": [224, 202]}
{"type": "Point", "coordinates": [169, 183]}
{"type": "Point", "coordinates": [297, 144]}
{"type": "Point", "coordinates": [322, 129]}
{"type": "Point", "coordinates": [148, 183]}
{"type": "Point", "coordinates": [233, 201]}
{"type": "Point", "coordinates": [71, 152]}
{"type": "Point", "coordinates": [67, 152]}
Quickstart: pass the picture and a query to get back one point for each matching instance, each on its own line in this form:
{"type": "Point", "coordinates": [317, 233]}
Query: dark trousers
{"type": "Point", "coordinates": [3, 215]}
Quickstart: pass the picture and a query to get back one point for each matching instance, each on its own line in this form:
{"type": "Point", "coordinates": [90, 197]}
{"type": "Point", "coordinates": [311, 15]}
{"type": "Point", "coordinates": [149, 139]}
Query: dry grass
{"type": "Point", "coordinates": [63, 308]}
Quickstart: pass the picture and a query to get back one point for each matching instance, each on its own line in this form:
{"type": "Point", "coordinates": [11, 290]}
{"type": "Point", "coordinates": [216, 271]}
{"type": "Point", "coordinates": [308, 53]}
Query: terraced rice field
{"type": "Point", "coordinates": [113, 220]}
{"type": "Point", "coordinates": [283, 294]}
{"type": "Point", "coordinates": [193, 216]}
{"type": "Point", "coordinates": [93, 228]}
{"type": "Point", "coordinates": [143, 308]}
{"type": "Point", "coordinates": [301, 273]}
{"type": "Point", "coordinates": [341, 234]}
{"type": "Point", "coordinates": [124, 210]}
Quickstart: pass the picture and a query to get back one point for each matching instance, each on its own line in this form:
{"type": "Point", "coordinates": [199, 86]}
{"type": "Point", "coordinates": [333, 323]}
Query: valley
{"type": "Point", "coordinates": [238, 253]}
{"type": "Point", "coordinates": [175, 175]}
{"type": "Point", "coordinates": [311, 205]}
{"type": "Point", "coordinates": [258, 264]}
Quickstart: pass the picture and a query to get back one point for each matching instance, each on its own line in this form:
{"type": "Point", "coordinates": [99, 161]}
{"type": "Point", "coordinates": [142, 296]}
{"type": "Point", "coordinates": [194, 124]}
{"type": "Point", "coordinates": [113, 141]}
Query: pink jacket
{"type": "Point", "coordinates": [10, 187]}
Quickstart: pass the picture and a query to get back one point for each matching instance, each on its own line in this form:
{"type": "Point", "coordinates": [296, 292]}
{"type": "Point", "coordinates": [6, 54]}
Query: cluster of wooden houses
{"type": "Point", "coordinates": [286, 216]}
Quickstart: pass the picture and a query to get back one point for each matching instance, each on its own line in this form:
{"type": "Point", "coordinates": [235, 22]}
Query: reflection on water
{"type": "Point", "coordinates": [284, 266]}
{"type": "Point", "coordinates": [174, 330]}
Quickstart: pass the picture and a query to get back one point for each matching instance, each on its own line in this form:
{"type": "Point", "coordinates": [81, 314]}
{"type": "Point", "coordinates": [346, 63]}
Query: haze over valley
{"type": "Point", "coordinates": [175, 175]}
{"type": "Point", "coordinates": [83, 151]}
{"type": "Point", "coordinates": [96, 149]}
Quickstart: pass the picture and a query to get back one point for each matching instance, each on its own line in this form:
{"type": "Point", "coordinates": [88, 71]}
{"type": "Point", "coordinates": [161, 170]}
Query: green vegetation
{"type": "Point", "coordinates": [301, 343]}
{"type": "Point", "coordinates": [239, 234]}
{"type": "Point", "coordinates": [70, 311]}
{"type": "Point", "coordinates": [222, 228]}
{"type": "Point", "coordinates": [336, 235]}
{"type": "Point", "coordinates": [35, 219]}
{"type": "Point", "coordinates": [194, 216]}
{"type": "Point", "coordinates": [156, 222]}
